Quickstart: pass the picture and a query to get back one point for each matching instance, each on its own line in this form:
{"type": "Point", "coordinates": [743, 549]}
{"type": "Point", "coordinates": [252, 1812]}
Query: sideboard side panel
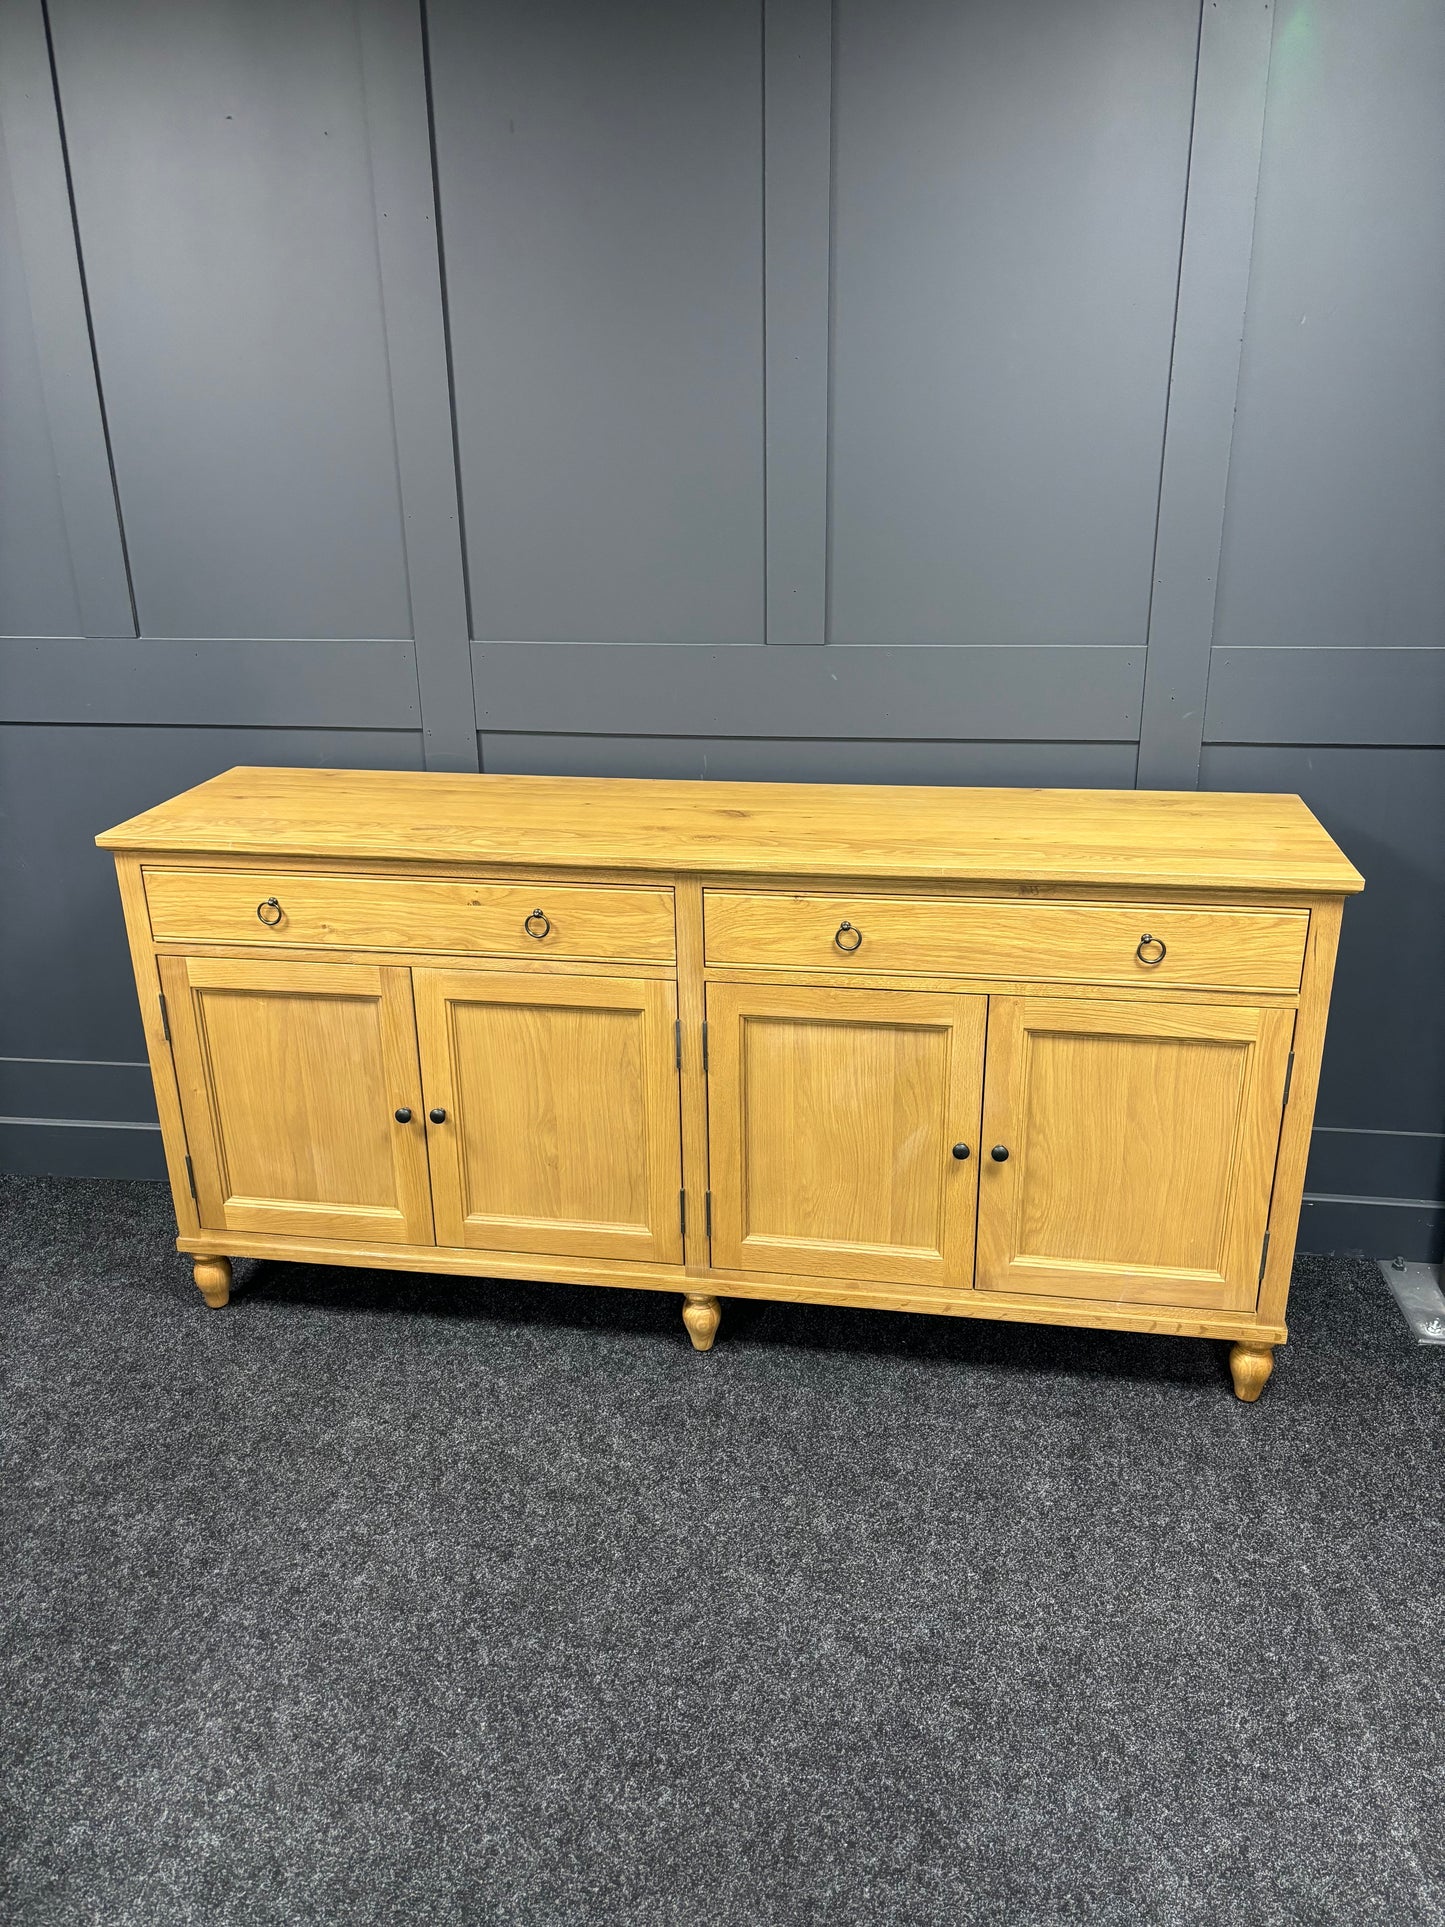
{"type": "Point", "coordinates": [163, 1069]}
{"type": "Point", "coordinates": [1294, 1142]}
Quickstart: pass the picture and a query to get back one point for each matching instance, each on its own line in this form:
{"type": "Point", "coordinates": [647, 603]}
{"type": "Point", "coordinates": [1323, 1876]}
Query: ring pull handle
{"type": "Point", "coordinates": [844, 931]}
{"type": "Point", "coordinates": [537, 916]}
{"type": "Point", "coordinates": [270, 904]}
{"type": "Point", "coordinates": [1146, 942]}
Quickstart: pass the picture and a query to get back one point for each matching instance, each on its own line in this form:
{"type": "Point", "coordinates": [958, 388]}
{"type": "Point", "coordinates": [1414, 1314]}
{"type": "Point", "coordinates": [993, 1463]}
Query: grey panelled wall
{"type": "Point", "coordinates": [1328, 671]}
{"type": "Point", "coordinates": [531, 385]}
{"type": "Point", "coordinates": [600, 175]}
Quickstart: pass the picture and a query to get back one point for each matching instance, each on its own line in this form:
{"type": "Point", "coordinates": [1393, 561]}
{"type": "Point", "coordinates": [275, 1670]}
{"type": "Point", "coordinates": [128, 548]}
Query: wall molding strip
{"type": "Point", "coordinates": [51, 263]}
{"type": "Point", "coordinates": [357, 683]}
{"type": "Point", "coordinates": [924, 692]}
{"type": "Point", "coordinates": [398, 124]}
{"type": "Point", "coordinates": [797, 253]}
{"type": "Point", "coordinates": [1226, 138]}
{"type": "Point", "coordinates": [1386, 697]}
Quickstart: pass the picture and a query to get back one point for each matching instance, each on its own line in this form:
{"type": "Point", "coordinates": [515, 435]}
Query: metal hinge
{"type": "Point", "coordinates": [165, 1017]}
{"type": "Point", "coordinates": [707, 1212]}
{"type": "Point", "coordinates": [191, 1175]}
{"type": "Point", "coordinates": [682, 1211]}
{"type": "Point", "coordinates": [704, 1047]}
{"type": "Point", "coordinates": [1288, 1077]}
{"type": "Point", "coordinates": [677, 1042]}
{"type": "Point", "coordinates": [1263, 1260]}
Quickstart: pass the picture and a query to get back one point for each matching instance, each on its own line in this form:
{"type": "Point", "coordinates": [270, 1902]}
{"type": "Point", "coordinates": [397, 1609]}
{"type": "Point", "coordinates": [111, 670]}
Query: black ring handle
{"type": "Point", "coordinates": [1151, 961]}
{"type": "Point", "coordinates": [999, 1154]}
{"type": "Point", "coordinates": [270, 904]}
{"type": "Point", "coordinates": [838, 937]}
{"type": "Point", "coordinates": [960, 1151]}
{"type": "Point", "coordinates": [537, 916]}
{"type": "Point", "coordinates": [438, 1116]}
{"type": "Point", "coordinates": [403, 1116]}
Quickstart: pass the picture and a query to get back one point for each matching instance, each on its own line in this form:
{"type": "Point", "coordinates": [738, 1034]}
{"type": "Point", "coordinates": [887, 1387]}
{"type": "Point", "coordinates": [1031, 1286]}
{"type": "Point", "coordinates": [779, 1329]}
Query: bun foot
{"type": "Point", "coordinates": [213, 1280]}
{"type": "Point", "coordinates": [1250, 1367]}
{"type": "Point", "coordinates": [701, 1314]}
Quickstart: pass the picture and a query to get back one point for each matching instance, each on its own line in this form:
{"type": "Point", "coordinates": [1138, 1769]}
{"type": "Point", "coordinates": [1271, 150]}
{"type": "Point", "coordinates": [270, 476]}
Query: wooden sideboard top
{"type": "Point", "coordinates": [1152, 838]}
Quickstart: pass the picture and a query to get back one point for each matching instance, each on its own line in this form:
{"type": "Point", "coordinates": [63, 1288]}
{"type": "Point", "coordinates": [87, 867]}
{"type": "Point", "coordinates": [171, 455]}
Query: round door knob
{"type": "Point", "coordinates": [999, 1154]}
{"type": "Point", "coordinates": [403, 1116]}
{"type": "Point", "coordinates": [439, 1116]}
{"type": "Point", "coordinates": [960, 1151]}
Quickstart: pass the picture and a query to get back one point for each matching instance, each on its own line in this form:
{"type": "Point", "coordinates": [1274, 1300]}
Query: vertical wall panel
{"type": "Point", "coordinates": [600, 173]}
{"type": "Point", "coordinates": [797, 220]}
{"type": "Point", "coordinates": [37, 588]}
{"type": "Point", "coordinates": [398, 133]}
{"type": "Point", "coordinates": [1333, 530]}
{"type": "Point", "coordinates": [1230, 85]}
{"type": "Point", "coordinates": [1008, 202]}
{"type": "Point", "coordinates": [43, 252]}
{"type": "Point", "coordinates": [223, 194]}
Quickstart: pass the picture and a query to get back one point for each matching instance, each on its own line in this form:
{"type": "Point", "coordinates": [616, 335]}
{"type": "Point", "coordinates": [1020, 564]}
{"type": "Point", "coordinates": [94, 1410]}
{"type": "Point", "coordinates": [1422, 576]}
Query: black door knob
{"type": "Point", "coordinates": [403, 1116]}
{"type": "Point", "coordinates": [960, 1151]}
{"type": "Point", "coordinates": [439, 1116]}
{"type": "Point", "coordinates": [999, 1154]}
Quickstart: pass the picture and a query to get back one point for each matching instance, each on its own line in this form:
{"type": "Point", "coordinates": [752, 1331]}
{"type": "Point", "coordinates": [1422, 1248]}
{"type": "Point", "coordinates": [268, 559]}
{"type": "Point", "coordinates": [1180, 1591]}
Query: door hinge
{"type": "Point", "coordinates": [704, 1047]}
{"type": "Point", "coordinates": [682, 1211]}
{"type": "Point", "coordinates": [677, 1042]}
{"type": "Point", "coordinates": [1288, 1077]}
{"type": "Point", "coordinates": [707, 1212]}
{"type": "Point", "coordinates": [190, 1174]}
{"type": "Point", "coordinates": [1263, 1260]}
{"type": "Point", "coordinates": [165, 1017]}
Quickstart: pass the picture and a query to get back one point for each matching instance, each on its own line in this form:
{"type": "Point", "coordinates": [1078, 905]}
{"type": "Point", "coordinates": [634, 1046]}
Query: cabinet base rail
{"type": "Point", "coordinates": [1251, 1357]}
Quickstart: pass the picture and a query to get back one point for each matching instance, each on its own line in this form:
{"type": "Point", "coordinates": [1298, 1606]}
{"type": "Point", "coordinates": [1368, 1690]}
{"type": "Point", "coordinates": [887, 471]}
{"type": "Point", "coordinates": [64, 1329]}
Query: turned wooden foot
{"type": "Point", "coordinates": [213, 1279]}
{"type": "Point", "coordinates": [701, 1315]}
{"type": "Point", "coordinates": [1249, 1367]}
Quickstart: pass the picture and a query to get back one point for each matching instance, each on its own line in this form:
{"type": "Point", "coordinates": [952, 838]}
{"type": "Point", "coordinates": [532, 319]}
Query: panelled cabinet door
{"type": "Point", "coordinates": [833, 1116]}
{"type": "Point", "coordinates": [562, 1127]}
{"type": "Point", "coordinates": [1141, 1140]}
{"type": "Point", "coordinates": [291, 1075]}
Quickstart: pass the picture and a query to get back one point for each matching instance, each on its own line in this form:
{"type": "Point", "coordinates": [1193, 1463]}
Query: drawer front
{"type": "Point", "coordinates": [1097, 943]}
{"type": "Point", "coordinates": [384, 913]}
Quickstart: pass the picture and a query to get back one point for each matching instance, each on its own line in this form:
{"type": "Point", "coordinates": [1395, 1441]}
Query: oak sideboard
{"type": "Point", "coordinates": [1019, 1054]}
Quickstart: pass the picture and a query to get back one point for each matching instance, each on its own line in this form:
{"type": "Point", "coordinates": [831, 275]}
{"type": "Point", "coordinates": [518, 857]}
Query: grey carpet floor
{"type": "Point", "coordinates": [384, 1599]}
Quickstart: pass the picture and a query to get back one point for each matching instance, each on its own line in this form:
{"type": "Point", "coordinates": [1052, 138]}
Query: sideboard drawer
{"type": "Point", "coordinates": [387, 913]}
{"type": "Point", "coordinates": [1065, 942]}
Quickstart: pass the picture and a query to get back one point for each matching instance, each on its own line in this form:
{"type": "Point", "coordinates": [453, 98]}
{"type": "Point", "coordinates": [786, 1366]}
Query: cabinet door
{"type": "Point", "coordinates": [832, 1120]}
{"type": "Point", "coordinates": [1141, 1142]}
{"type": "Point", "coordinates": [562, 1130]}
{"type": "Point", "coordinates": [291, 1075]}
